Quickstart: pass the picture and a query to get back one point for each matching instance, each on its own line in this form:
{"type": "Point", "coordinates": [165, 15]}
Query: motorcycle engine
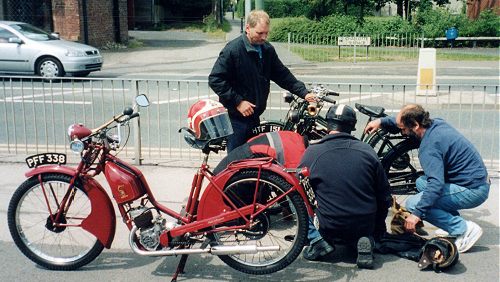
{"type": "Point", "coordinates": [149, 228]}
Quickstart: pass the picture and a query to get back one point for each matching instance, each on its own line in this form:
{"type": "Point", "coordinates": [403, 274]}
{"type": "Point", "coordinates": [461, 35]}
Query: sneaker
{"type": "Point", "coordinates": [365, 253]}
{"type": "Point", "coordinates": [317, 250]}
{"type": "Point", "coordinates": [469, 238]}
{"type": "Point", "coordinates": [441, 233]}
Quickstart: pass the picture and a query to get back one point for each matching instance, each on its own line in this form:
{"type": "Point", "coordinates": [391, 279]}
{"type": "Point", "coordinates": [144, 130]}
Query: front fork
{"type": "Point", "coordinates": [62, 208]}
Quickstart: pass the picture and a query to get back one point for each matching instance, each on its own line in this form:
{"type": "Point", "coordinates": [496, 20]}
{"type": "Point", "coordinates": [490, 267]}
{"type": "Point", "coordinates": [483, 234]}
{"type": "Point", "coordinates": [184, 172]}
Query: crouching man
{"type": "Point", "coordinates": [351, 188]}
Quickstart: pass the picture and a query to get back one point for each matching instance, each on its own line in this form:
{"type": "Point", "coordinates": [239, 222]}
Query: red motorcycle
{"type": "Point", "coordinates": [253, 215]}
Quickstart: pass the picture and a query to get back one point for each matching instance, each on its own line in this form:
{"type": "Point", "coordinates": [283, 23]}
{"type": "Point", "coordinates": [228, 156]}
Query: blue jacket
{"type": "Point", "coordinates": [446, 156]}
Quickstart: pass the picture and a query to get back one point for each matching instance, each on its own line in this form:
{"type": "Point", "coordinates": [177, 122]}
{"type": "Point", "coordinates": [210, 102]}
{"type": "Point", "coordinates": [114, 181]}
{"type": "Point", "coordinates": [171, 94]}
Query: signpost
{"type": "Point", "coordinates": [354, 41]}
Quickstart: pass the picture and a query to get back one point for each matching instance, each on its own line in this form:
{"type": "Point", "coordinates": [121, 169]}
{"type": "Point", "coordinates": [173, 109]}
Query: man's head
{"type": "Point", "coordinates": [341, 118]}
{"type": "Point", "coordinates": [413, 120]}
{"type": "Point", "coordinates": [257, 27]}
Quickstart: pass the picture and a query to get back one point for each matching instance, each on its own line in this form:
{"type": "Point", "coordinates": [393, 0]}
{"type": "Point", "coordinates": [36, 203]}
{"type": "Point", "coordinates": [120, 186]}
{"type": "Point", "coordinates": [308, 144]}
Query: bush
{"type": "Point", "coordinates": [294, 25]}
{"type": "Point", "coordinates": [285, 8]}
{"type": "Point", "coordinates": [488, 24]}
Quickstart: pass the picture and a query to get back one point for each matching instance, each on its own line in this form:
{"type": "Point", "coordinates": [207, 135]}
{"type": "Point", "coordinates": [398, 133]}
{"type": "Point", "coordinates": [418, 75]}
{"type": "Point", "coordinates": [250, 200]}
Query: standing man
{"type": "Point", "coordinates": [242, 74]}
{"type": "Point", "coordinates": [455, 176]}
{"type": "Point", "coordinates": [351, 188]}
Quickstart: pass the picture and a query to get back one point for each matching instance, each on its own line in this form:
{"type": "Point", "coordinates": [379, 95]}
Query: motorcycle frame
{"type": "Point", "coordinates": [201, 215]}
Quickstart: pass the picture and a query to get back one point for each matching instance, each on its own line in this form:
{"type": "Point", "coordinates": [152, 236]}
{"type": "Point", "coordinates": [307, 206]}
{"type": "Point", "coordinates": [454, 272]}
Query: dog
{"type": "Point", "coordinates": [399, 217]}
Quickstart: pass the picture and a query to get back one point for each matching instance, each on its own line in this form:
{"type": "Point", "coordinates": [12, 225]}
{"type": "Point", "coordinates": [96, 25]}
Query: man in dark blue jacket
{"type": "Point", "coordinates": [351, 188]}
{"type": "Point", "coordinates": [455, 175]}
{"type": "Point", "coordinates": [241, 77]}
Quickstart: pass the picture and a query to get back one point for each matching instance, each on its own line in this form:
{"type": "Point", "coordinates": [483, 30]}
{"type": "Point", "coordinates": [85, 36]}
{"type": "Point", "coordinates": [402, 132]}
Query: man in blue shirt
{"type": "Point", "coordinates": [455, 175]}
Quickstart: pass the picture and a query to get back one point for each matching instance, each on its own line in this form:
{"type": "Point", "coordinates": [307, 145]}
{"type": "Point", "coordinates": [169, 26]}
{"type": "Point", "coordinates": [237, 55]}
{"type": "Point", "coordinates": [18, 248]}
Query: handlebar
{"type": "Point", "coordinates": [120, 119]}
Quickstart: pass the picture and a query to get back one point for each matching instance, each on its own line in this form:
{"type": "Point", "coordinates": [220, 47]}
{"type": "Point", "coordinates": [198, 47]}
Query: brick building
{"type": "Point", "coordinates": [94, 22]}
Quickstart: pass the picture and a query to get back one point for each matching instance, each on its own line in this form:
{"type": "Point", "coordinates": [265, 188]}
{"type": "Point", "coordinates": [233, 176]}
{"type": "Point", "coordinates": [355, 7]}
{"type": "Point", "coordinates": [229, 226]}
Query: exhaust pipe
{"type": "Point", "coordinates": [216, 250]}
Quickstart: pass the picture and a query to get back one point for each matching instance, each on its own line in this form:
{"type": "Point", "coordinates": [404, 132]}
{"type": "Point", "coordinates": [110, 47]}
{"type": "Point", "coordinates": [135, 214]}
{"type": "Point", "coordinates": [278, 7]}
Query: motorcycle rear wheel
{"type": "Point", "coordinates": [34, 232]}
{"type": "Point", "coordinates": [402, 167]}
{"type": "Point", "coordinates": [284, 224]}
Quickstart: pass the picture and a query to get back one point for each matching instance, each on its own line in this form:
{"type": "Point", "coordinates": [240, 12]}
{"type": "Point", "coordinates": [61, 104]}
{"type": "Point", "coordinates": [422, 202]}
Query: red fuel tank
{"type": "Point", "coordinates": [125, 185]}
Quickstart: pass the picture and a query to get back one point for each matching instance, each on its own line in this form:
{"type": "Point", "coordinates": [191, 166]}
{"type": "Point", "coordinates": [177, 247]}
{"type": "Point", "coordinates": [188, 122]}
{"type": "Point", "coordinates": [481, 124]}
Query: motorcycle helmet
{"type": "Point", "coordinates": [439, 252]}
{"type": "Point", "coordinates": [341, 117]}
{"type": "Point", "coordinates": [209, 120]}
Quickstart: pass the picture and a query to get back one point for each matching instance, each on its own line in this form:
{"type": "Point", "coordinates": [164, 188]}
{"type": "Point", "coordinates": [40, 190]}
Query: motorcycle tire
{"type": "Point", "coordinates": [402, 167]}
{"type": "Point", "coordinates": [286, 227]}
{"type": "Point", "coordinates": [376, 140]}
{"type": "Point", "coordinates": [33, 230]}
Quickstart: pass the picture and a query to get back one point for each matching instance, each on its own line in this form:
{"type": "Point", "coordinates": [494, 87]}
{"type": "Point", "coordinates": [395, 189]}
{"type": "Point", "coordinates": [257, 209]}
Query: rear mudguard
{"type": "Point", "coordinates": [101, 221]}
{"type": "Point", "coordinates": [212, 203]}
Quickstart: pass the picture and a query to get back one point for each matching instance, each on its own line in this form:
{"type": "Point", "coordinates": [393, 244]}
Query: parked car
{"type": "Point", "coordinates": [30, 50]}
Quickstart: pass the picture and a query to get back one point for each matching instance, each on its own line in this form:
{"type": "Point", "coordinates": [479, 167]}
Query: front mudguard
{"type": "Point", "coordinates": [101, 221]}
{"type": "Point", "coordinates": [212, 203]}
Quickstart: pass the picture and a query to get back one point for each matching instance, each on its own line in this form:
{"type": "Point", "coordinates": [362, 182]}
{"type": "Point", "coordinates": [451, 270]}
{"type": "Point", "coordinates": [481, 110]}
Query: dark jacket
{"type": "Point", "coordinates": [239, 74]}
{"type": "Point", "coordinates": [348, 180]}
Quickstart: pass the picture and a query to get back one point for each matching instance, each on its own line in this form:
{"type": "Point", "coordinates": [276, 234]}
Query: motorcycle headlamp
{"type": "Point", "coordinates": [76, 146]}
{"type": "Point", "coordinates": [294, 116]}
{"type": "Point", "coordinates": [287, 97]}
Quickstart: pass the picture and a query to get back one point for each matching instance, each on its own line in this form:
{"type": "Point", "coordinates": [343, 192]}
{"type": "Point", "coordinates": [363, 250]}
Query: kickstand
{"type": "Point", "coordinates": [180, 267]}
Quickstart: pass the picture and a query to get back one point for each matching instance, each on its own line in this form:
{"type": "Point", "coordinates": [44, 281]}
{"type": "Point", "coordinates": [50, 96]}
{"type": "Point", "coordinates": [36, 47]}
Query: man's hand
{"type": "Point", "coordinates": [411, 223]}
{"type": "Point", "coordinates": [245, 108]}
{"type": "Point", "coordinates": [373, 125]}
{"type": "Point", "coordinates": [310, 97]}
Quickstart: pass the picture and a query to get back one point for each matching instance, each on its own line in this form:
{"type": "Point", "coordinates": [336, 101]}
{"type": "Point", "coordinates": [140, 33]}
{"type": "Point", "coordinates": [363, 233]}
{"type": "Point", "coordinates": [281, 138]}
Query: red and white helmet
{"type": "Point", "coordinates": [209, 120]}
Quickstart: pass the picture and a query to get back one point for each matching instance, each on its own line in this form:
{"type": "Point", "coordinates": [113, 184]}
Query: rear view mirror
{"type": "Point", "coordinates": [142, 100]}
{"type": "Point", "coordinates": [15, 40]}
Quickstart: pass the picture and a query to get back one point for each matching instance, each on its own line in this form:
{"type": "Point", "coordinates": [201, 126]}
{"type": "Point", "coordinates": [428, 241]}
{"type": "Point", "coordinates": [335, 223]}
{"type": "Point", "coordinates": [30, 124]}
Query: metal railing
{"type": "Point", "coordinates": [326, 48]}
{"type": "Point", "coordinates": [34, 114]}
{"type": "Point", "coordinates": [318, 48]}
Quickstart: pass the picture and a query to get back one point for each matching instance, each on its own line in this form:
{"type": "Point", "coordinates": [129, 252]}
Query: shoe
{"type": "Point", "coordinates": [365, 253]}
{"type": "Point", "coordinates": [469, 238]}
{"type": "Point", "coordinates": [441, 233]}
{"type": "Point", "coordinates": [317, 250]}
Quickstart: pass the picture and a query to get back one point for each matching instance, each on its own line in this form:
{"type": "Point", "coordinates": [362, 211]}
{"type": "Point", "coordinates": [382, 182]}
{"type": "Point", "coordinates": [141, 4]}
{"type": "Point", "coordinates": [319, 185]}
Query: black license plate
{"type": "Point", "coordinates": [266, 127]}
{"type": "Point", "coordinates": [45, 158]}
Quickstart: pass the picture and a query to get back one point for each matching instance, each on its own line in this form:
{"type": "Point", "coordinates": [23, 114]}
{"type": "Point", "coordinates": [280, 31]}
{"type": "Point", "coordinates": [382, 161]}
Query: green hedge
{"type": "Point", "coordinates": [431, 23]}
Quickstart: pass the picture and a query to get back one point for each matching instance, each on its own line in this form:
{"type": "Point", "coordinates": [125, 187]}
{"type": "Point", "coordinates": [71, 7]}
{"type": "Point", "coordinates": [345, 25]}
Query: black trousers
{"type": "Point", "coordinates": [347, 230]}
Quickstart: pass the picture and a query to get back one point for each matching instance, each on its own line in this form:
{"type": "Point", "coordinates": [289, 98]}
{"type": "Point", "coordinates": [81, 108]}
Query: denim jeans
{"type": "Point", "coordinates": [313, 233]}
{"type": "Point", "coordinates": [444, 214]}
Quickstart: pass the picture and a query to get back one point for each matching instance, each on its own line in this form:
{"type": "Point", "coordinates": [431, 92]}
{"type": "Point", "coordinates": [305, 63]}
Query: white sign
{"type": "Point", "coordinates": [426, 76]}
{"type": "Point", "coordinates": [354, 40]}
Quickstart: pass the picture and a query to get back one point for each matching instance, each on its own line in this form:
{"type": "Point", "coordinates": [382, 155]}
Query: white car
{"type": "Point", "coordinates": [29, 50]}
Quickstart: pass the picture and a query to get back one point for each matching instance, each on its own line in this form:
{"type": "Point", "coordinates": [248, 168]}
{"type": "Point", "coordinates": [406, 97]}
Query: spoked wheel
{"type": "Point", "coordinates": [403, 168]}
{"type": "Point", "coordinates": [283, 224]}
{"type": "Point", "coordinates": [58, 244]}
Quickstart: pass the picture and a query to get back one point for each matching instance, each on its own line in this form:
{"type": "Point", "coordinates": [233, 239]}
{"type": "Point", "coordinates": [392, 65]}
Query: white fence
{"type": "Point", "coordinates": [34, 114]}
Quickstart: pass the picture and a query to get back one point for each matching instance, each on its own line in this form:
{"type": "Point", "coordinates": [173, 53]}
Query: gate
{"type": "Point", "coordinates": [35, 12]}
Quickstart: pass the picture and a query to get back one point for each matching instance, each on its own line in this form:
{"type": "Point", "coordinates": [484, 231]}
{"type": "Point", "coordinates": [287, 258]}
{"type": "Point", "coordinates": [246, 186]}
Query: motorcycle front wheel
{"type": "Point", "coordinates": [283, 224]}
{"type": "Point", "coordinates": [57, 244]}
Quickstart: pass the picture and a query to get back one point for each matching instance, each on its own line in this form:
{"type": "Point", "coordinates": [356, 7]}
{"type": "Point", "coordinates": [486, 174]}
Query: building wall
{"type": "Point", "coordinates": [96, 24]}
{"type": "Point", "coordinates": [66, 19]}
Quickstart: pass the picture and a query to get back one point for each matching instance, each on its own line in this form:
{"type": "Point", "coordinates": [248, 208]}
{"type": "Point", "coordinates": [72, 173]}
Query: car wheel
{"type": "Point", "coordinates": [49, 68]}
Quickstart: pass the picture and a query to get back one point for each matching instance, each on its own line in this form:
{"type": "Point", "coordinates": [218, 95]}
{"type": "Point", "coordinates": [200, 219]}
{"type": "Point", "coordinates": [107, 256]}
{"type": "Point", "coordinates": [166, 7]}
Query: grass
{"type": "Point", "coordinates": [376, 54]}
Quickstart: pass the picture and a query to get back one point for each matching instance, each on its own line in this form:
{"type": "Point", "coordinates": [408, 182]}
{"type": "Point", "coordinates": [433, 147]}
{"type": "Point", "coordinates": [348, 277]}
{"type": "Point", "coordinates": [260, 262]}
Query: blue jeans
{"type": "Point", "coordinates": [313, 233]}
{"type": "Point", "coordinates": [444, 214]}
